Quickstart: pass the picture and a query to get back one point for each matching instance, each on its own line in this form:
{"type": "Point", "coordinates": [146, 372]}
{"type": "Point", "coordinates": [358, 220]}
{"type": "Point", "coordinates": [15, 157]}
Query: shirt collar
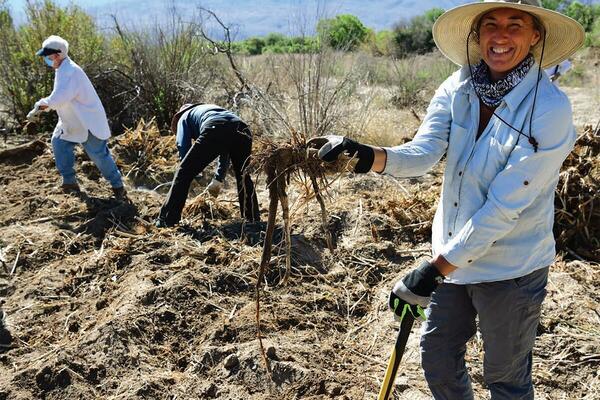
{"type": "Point", "coordinates": [63, 64]}
{"type": "Point", "coordinates": [516, 96]}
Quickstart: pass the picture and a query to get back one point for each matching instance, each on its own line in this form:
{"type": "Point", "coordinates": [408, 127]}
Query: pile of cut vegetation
{"type": "Point", "coordinates": [577, 218]}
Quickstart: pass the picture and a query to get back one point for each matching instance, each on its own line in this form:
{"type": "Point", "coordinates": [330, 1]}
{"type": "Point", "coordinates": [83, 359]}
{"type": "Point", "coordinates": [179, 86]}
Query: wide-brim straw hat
{"type": "Point", "coordinates": [564, 35]}
{"type": "Point", "coordinates": [179, 113]}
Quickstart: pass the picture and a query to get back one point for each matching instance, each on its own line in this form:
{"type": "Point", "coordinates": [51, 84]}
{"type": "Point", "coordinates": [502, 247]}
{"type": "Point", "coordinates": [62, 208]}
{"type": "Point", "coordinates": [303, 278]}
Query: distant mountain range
{"type": "Point", "coordinates": [253, 18]}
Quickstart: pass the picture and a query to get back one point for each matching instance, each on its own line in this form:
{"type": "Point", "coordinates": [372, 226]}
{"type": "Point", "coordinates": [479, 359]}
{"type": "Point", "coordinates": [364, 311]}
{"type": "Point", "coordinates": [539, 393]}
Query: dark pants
{"type": "Point", "coordinates": [218, 138]}
{"type": "Point", "coordinates": [509, 313]}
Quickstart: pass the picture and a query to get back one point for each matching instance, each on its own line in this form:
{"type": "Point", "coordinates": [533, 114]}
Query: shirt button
{"type": "Point", "coordinates": [449, 233]}
{"type": "Point", "coordinates": [526, 183]}
{"type": "Point", "coordinates": [455, 204]}
{"type": "Point", "coordinates": [470, 261]}
{"type": "Point", "coordinates": [459, 173]}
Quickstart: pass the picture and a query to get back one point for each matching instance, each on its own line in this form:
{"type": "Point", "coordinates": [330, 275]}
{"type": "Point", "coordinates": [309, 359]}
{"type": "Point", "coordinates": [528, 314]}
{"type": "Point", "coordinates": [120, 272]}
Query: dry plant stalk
{"type": "Point", "coordinates": [279, 163]}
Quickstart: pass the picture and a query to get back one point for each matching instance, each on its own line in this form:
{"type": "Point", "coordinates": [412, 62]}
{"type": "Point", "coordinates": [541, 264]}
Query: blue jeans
{"type": "Point", "coordinates": [96, 149]}
{"type": "Point", "coordinates": [509, 313]}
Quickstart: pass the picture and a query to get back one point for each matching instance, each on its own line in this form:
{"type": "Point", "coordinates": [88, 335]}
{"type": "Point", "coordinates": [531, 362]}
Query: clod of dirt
{"type": "Point", "coordinates": [271, 353]}
{"type": "Point", "coordinates": [106, 214]}
{"type": "Point", "coordinates": [286, 373]}
{"type": "Point", "coordinates": [100, 304]}
{"type": "Point", "coordinates": [47, 379]}
{"type": "Point", "coordinates": [22, 154]}
{"type": "Point", "coordinates": [211, 391]}
{"type": "Point", "coordinates": [231, 361]}
{"type": "Point", "coordinates": [335, 389]}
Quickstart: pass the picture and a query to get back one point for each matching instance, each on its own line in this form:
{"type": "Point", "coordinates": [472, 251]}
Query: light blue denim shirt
{"type": "Point", "coordinates": [496, 212]}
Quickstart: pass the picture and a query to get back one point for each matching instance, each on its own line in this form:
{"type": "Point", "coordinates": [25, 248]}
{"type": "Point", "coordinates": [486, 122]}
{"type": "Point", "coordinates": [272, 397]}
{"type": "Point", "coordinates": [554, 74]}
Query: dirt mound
{"type": "Point", "coordinates": [103, 305]}
{"type": "Point", "coordinates": [22, 154]}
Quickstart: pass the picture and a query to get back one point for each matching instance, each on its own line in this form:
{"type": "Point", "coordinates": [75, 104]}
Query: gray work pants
{"type": "Point", "coordinates": [509, 313]}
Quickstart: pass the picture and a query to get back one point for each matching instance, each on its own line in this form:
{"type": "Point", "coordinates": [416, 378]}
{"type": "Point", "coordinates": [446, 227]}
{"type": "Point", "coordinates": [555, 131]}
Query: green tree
{"type": "Point", "coordinates": [584, 14]}
{"type": "Point", "coordinates": [416, 35]}
{"type": "Point", "coordinates": [380, 43]}
{"type": "Point", "coordinates": [344, 32]}
{"type": "Point", "coordinates": [593, 38]}
{"type": "Point", "coordinates": [556, 5]}
{"type": "Point", "coordinates": [254, 45]}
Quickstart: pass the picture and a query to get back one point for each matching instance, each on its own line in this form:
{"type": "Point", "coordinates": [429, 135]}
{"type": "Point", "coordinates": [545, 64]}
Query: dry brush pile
{"type": "Point", "coordinates": [577, 207]}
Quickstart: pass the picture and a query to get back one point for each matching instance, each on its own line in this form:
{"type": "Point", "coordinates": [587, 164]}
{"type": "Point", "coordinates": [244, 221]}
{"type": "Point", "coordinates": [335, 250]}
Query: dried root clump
{"type": "Point", "coordinates": [577, 218]}
{"type": "Point", "coordinates": [146, 156]}
{"type": "Point", "coordinates": [205, 207]}
{"type": "Point", "coordinates": [281, 162]}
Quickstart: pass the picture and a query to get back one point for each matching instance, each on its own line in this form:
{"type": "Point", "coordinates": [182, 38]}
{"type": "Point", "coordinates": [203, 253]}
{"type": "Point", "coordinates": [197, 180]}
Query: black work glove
{"type": "Point", "coordinates": [332, 146]}
{"type": "Point", "coordinates": [413, 292]}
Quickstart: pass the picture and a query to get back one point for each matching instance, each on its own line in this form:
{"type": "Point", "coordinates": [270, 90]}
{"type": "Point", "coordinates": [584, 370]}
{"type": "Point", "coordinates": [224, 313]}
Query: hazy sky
{"type": "Point", "coordinates": [254, 17]}
{"type": "Point", "coordinates": [258, 17]}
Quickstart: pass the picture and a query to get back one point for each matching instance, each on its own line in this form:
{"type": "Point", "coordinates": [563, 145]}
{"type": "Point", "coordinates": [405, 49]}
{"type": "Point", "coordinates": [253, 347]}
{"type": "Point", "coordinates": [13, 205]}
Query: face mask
{"type": "Point", "coordinates": [48, 61]}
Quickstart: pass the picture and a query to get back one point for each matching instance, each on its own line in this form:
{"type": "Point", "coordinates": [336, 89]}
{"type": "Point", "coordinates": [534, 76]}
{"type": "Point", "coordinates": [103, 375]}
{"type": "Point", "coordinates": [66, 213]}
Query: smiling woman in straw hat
{"type": "Point", "coordinates": [505, 130]}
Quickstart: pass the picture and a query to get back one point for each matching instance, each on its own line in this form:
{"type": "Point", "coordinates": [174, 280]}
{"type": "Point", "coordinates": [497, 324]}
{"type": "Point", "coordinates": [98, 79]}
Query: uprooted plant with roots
{"type": "Point", "coordinates": [296, 98]}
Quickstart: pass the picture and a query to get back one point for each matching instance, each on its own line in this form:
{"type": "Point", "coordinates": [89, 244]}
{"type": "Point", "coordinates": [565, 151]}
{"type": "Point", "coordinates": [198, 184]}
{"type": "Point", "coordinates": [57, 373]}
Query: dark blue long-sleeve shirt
{"type": "Point", "coordinates": [192, 123]}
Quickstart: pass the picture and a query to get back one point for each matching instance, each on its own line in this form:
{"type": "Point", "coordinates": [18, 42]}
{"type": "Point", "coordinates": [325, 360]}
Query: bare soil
{"type": "Point", "coordinates": [105, 306]}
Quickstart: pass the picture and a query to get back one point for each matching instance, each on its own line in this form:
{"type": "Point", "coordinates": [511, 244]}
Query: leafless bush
{"type": "Point", "coordinates": [159, 70]}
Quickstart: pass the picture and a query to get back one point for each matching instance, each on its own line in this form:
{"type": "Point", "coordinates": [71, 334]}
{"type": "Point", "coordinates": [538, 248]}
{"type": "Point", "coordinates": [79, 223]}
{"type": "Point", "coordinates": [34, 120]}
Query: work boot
{"type": "Point", "coordinates": [5, 336]}
{"type": "Point", "coordinates": [120, 193]}
{"type": "Point", "coordinates": [70, 188]}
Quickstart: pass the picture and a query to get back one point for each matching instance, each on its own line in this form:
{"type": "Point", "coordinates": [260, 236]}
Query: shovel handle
{"type": "Point", "coordinates": [394, 362]}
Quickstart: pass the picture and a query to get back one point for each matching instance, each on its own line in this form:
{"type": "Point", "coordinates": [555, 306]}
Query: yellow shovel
{"type": "Point", "coordinates": [392, 369]}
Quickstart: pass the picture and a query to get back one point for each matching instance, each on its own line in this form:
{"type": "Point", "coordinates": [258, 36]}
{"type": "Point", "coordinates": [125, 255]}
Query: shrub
{"type": "Point", "coordinates": [380, 43]}
{"type": "Point", "coordinates": [276, 43]}
{"type": "Point", "coordinates": [344, 32]}
{"type": "Point", "coordinates": [584, 14]}
{"type": "Point", "coordinates": [415, 78]}
{"type": "Point", "coordinates": [162, 68]}
{"type": "Point", "coordinates": [593, 38]}
{"type": "Point", "coordinates": [416, 36]}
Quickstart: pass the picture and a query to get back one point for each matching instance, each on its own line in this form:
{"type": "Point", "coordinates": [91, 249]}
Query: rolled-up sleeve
{"type": "Point", "coordinates": [517, 186]}
{"type": "Point", "coordinates": [428, 146]}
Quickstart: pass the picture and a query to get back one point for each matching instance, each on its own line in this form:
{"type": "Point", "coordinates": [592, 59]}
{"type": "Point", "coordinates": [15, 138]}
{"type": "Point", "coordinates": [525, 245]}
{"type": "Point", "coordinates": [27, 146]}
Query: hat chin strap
{"type": "Point", "coordinates": [529, 136]}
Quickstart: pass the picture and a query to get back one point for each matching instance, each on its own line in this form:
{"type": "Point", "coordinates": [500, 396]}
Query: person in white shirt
{"type": "Point", "coordinates": [81, 118]}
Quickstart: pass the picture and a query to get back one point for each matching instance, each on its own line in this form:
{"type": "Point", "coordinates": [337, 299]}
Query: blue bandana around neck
{"type": "Point", "coordinates": [492, 93]}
